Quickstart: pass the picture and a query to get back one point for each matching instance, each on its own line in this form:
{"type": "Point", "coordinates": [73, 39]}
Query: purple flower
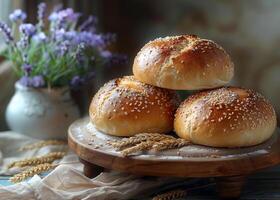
{"type": "Point", "coordinates": [41, 15]}
{"type": "Point", "coordinates": [26, 81]}
{"type": "Point", "coordinates": [27, 68]}
{"type": "Point", "coordinates": [77, 81]}
{"type": "Point", "coordinates": [27, 29]}
{"type": "Point", "coordinates": [109, 38]}
{"type": "Point", "coordinates": [62, 35]}
{"type": "Point", "coordinates": [40, 38]}
{"type": "Point", "coordinates": [59, 35]}
{"type": "Point", "coordinates": [7, 32]}
{"type": "Point", "coordinates": [69, 15]}
{"type": "Point", "coordinates": [79, 53]}
{"type": "Point", "coordinates": [90, 39]}
{"type": "Point", "coordinates": [17, 16]}
{"type": "Point", "coordinates": [63, 48]}
{"type": "Point", "coordinates": [114, 59]}
{"type": "Point", "coordinates": [106, 54]}
{"type": "Point", "coordinates": [89, 24]}
{"type": "Point", "coordinates": [38, 81]}
{"type": "Point", "coordinates": [53, 17]}
{"type": "Point", "coordinates": [23, 42]}
{"type": "Point", "coordinates": [61, 18]}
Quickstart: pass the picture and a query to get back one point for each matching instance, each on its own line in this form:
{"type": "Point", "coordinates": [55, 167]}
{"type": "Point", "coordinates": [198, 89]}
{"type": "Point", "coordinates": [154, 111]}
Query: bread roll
{"type": "Point", "coordinates": [184, 62]}
{"type": "Point", "coordinates": [225, 117]}
{"type": "Point", "coordinates": [125, 107]}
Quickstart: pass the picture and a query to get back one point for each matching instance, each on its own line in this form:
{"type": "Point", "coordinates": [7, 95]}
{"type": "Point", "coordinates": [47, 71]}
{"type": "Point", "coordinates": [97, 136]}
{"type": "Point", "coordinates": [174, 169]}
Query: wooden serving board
{"type": "Point", "coordinates": [229, 166]}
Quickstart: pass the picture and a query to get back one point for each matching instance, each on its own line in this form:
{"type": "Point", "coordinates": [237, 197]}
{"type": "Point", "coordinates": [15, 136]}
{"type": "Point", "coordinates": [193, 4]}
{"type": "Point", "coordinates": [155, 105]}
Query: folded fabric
{"type": "Point", "coordinates": [67, 181]}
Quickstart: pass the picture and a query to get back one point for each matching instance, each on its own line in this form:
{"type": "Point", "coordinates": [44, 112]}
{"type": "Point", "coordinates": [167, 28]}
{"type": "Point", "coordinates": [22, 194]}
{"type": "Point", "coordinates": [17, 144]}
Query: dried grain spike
{"type": "Point", "coordinates": [49, 158]}
{"type": "Point", "coordinates": [170, 144]}
{"type": "Point", "coordinates": [31, 172]}
{"type": "Point", "coordinates": [42, 144]}
{"type": "Point", "coordinates": [138, 139]}
{"type": "Point", "coordinates": [172, 195]}
{"type": "Point", "coordinates": [139, 147]}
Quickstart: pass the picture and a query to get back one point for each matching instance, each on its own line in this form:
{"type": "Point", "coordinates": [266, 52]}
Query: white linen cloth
{"type": "Point", "coordinates": [67, 180]}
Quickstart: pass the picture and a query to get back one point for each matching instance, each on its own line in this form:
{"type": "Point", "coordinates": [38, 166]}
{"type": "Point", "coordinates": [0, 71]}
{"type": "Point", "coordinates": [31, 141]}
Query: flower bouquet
{"type": "Point", "coordinates": [50, 57]}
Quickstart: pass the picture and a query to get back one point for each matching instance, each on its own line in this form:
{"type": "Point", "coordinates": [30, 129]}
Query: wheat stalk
{"type": "Point", "coordinates": [138, 139]}
{"type": "Point", "coordinates": [170, 144]}
{"type": "Point", "coordinates": [147, 141]}
{"type": "Point", "coordinates": [139, 147]}
{"type": "Point", "coordinates": [31, 172]}
{"type": "Point", "coordinates": [172, 195]}
{"type": "Point", "coordinates": [49, 158]}
{"type": "Point", "coordinates": [42, 144]}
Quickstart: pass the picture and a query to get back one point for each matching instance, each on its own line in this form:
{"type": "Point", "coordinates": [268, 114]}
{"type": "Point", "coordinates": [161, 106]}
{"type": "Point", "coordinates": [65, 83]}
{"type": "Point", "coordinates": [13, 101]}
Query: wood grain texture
{"type": "Point", "coordinates": [230, 187]}
{"type": "Point", "coordinates": [91, 146]}
{"type": "Point", "coordinates": [90, 170]}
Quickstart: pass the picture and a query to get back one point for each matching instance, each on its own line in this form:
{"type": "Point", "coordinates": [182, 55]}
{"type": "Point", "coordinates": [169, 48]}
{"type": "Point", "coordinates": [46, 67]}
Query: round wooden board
{"type": "Point", "coordinates": [190, 161]}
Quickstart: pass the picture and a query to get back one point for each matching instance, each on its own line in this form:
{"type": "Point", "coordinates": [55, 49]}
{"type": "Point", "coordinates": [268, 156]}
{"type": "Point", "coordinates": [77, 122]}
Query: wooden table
{"type": "Point", "coordinates": [230, 167]}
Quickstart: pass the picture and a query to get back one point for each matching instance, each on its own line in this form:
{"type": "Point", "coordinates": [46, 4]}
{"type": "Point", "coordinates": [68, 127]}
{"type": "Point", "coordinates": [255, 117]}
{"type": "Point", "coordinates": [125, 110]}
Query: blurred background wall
{"type": "Point", "coordinates": [248, 29]}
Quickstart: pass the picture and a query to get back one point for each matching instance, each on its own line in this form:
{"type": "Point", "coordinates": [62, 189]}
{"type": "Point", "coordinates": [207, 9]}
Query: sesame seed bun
{"type": "Point", "coordinates": [125, 107]}
{"type": "Point", "coordinates": [184, 62]}
{"type": "Point", "coordinates": [225, 117]}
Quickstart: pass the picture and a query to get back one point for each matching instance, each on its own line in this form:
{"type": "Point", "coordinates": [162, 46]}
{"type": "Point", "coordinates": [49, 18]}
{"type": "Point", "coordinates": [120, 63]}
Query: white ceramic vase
{"type": "Point", "coordinates": [41, 113]}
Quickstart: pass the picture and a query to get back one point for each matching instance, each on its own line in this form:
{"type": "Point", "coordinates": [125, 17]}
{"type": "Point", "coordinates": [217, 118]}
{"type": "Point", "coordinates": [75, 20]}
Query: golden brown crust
{"type": "Point", "coordinates": [125, 107]}
{"type": "Point", "coordinates": [225, 117]}
{"type": "Point", "coordinates": [184, 62]}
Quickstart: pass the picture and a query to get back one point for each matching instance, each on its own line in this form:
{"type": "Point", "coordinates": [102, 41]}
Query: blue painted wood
{"type": "Point", "coordinates": [4, 181]}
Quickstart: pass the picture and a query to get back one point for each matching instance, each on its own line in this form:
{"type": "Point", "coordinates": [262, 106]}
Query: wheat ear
{"type": "Point", "coordinates": [170, 144]}
{"type": "Point", "coordinates": [172, 195]}
{"type": "Point", "coordinates": [49, 158]}
{"type": "Point", "coordinates": [138, 139]}
{"type": "Point", "coordinates": [139, 147]}
{"type": "Point", "coordinates": [42, 144]}
{"type": "Point", "coordinates": [31, 172]}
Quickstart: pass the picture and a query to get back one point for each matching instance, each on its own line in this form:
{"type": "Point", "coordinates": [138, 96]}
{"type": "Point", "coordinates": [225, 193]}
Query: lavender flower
{"type": "Point", "coordinates": [25, 81]}
{"type": "Point", "coordinates": [73, 52]}
{"type": "Point", "coordinates": [62, 18]}
{"type": "Point", "coordinates": [27, 68]}
{"type": "Point", "coordinates": [41, 15]}
{"type": "Point", "coordinates": [106, 54]}
{"type": "Point", "coordinates": [17, 16]}
{"type": "Point", "coordinates": [90, 39]}
{"type": "Point", "coordinates": [113, 59]}
{"type": "Point", "coordinates": [38, 81]}
{"type": "Point", "coordinates": [89, 24]}
{"type": "Point", "coordinates": [62, 35]}
{"type": "Point", "coordinates": [63, 48]}
{"type": "Point", "coordinates": [109, 38]}
{"type": "Point", "coordinates": [59, 35]}
{"type": "Point", "coordinates": [77, 81]}
{"type": "Point", "coordinates": [40, 38]}
{"type": "Point", "coordinates": [69, 15]}
{"type": "Point", "coordinates": [79, 53]}
{"type": "Point", "coordinates": [7, 32]}
{"type": "Point", "coordinates": [23, 42]}
{"type": "Point", "coordinates": [27, 29]}
{"type": "Point", "coordinates": [53, 17]}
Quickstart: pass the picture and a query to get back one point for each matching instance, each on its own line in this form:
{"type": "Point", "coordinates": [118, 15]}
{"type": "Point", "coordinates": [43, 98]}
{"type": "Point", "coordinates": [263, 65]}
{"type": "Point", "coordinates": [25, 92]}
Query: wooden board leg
{"type": "Point", "coordinates": [91, 170]}
{"type": "Point", "coordinates": [230, 187]}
